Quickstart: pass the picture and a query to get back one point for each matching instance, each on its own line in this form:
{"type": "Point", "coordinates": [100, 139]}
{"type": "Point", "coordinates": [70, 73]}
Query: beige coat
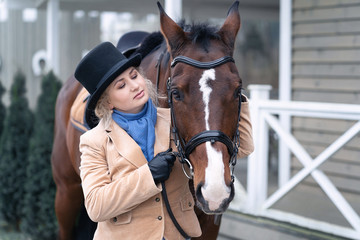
{"type": "Point", "coordinates": [119, 190]}
{"type": "Point", "coordinates": [246, 139]}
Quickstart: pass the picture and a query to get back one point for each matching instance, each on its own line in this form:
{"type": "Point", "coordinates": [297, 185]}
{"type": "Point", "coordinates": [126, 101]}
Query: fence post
{"type": "Point", "coordinates": [285, 85]}
{"type": "Point", "coordinates": [52, 36]}
{"type": "Point", "coordinates": [257, 175]}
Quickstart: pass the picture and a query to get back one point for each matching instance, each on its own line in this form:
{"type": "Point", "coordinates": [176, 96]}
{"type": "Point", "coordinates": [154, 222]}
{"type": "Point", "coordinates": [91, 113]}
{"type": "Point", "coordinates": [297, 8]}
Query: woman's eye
{"type": "Point", "coordinates": [121, 86]}
{"type": "Point", "coordinates": [134, 76]}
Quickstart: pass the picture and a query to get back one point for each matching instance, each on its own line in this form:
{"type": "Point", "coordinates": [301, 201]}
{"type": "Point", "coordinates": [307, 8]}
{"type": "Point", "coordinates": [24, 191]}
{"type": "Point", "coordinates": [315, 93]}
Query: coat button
{"type": "Point", "coordinates": [159, 218]}
{"type": "Point", "coordinates": [157, 199]}
{"type": "Point", "coordinates": [190, 204]}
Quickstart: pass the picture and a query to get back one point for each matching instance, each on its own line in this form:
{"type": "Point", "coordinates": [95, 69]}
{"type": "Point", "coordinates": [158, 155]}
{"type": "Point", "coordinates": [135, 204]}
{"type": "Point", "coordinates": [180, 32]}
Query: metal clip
{"type": "Point", "coordinates": [190, 166]}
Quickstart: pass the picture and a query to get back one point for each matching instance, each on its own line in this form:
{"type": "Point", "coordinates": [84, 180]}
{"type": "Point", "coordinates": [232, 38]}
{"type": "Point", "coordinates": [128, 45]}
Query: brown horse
{"type": "Point", "coordinates": [203, 87]}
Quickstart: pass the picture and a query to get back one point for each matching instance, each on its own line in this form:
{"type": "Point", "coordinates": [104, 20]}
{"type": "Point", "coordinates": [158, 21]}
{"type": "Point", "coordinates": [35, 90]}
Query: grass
{"type": "Point", "coordinates": [10, 235]}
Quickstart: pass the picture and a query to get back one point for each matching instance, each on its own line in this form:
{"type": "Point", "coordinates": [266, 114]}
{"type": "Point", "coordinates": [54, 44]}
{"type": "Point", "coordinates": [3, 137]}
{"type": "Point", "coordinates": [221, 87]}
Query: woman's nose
{"type": "Point", "coordinates": [134, 85]}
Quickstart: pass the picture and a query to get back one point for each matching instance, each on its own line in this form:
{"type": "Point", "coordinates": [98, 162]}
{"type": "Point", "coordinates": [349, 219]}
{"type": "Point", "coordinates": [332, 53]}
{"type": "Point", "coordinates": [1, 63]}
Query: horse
{"type": "Point", "coordinates": [194, 68]}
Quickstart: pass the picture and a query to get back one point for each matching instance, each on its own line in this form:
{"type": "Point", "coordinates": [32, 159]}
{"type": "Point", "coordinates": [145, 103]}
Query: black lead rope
{"type": "Point", "coordinates": [171, 214]}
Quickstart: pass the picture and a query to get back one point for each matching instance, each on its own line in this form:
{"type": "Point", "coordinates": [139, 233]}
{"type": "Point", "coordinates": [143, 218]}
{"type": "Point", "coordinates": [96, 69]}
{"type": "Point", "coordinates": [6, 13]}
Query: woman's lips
{"type": "Point", "coordinates": [139, 95]}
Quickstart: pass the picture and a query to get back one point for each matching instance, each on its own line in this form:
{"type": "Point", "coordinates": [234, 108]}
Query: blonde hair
{"type": "Point", "coordinates": [102, 110]}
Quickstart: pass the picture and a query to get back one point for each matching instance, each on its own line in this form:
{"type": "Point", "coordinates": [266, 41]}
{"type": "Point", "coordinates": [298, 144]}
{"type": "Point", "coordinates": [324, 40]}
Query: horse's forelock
{"type": "Point", "coordinates": [200, 33]}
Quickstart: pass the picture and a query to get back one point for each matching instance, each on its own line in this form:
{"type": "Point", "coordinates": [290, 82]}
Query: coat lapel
{"type": "Point", "coordinates": [126, 146]}
{"type": "Point", "coordinates": [129, 149]}
{"type": "Point", "coordinates": [162, 131]}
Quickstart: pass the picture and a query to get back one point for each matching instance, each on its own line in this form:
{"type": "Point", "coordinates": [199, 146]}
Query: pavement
{"type": "Point", "coordinates": [238, 226]}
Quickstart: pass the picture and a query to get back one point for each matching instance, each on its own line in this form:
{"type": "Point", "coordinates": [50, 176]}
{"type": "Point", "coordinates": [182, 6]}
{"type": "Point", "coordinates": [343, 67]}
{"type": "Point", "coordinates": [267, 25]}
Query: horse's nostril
{"type": "Point", "coordinates": [199, 195]}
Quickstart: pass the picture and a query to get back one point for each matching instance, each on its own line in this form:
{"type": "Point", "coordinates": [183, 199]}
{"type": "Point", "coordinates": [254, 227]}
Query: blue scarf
{"type": "Point", "coordinates": [140, 126]}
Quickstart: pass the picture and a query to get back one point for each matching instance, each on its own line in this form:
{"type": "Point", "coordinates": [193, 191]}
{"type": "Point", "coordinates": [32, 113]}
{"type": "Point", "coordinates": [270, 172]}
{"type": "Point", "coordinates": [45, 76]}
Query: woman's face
{"type": "Point", "coordinates": [128, 92]}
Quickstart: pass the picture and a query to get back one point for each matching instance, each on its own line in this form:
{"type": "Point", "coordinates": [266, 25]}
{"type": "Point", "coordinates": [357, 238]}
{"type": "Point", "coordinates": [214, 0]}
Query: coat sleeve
{"type": "Point", "coordinates": [246, 139]}
{"type": "Point", "coordinates": [106, 198]}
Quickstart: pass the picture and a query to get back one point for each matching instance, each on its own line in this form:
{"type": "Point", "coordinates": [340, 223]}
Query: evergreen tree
{"type": "Point", "coordinates": [39, 215]}
{"type": "Point", "coordinates": [2, 108]}
{"type": "Point", "coordinates": [13, 153]}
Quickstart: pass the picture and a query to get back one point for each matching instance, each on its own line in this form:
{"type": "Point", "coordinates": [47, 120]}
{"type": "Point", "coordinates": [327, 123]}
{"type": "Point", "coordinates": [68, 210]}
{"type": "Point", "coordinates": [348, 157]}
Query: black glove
{"type": "Point", "coordinates": [161, 165]}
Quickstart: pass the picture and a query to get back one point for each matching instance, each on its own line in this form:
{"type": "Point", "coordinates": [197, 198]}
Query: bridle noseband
{"type": "Point", "coordinates": [205, 136]}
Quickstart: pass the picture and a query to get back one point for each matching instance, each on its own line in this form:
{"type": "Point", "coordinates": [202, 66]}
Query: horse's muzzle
{"type": "Point", "coordinates": [211, 205]}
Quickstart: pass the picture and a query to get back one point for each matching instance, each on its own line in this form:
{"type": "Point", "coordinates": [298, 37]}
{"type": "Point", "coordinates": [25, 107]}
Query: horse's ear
{"type": "Point", "coordinates": [172, 32]}
{"type": "Point", "coordinates": [231, 26]}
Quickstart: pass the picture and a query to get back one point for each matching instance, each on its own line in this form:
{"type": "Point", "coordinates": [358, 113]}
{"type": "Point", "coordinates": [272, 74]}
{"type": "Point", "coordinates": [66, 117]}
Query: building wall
{"type": "Point", "coordinates": [326, 68]}
{"type": "Point", "coordinates": [76, 36]}
{"type": "Point", "coordinates": [20, 40]}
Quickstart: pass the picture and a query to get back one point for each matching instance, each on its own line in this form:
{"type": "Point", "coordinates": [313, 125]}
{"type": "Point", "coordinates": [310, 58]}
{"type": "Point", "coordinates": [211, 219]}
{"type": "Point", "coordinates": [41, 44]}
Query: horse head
{"type": "Point", "coordinates": [204, 93]}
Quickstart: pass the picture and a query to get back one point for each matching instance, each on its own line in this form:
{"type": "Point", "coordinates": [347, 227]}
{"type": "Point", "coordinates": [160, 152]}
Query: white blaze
{"type": "Point", "coordinates": [206, 90]}
{"type": "Point", "coordinates": [214, 190]}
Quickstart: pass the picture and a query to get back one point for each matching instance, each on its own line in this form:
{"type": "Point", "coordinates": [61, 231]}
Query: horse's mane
{"type": "Point", "coordinates": [198, 33]}
{"type": "Point", "coordinates": [150, 43]}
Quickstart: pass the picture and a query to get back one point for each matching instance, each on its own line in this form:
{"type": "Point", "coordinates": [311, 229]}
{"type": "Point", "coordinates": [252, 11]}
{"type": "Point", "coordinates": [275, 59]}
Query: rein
{"type": "Point", "coordinates": [185, 149]}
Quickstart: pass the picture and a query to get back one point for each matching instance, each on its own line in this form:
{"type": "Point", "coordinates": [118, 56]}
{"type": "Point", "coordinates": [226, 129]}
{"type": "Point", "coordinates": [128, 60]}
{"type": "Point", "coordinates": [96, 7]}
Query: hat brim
{"type": "Point", "coordinates": [104, 83]}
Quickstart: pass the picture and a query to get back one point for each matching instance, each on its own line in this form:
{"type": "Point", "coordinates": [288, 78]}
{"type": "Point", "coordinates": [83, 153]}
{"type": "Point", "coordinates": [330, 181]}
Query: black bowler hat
{"type": "Point", "coordinates": [98, 69]}
{"type": "Point", "coordinates": [130, 41]}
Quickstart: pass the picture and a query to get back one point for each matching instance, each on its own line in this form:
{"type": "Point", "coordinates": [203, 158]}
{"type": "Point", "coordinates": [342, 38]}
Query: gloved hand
{"type": "Point", "coordinates": [161, 165]}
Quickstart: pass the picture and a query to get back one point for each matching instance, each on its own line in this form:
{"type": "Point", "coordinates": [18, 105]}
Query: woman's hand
{"type": "Point", "coordinates": [161, 165]}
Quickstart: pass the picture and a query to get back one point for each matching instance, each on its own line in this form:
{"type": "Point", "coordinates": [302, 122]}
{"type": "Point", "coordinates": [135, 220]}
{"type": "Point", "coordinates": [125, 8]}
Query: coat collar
{"type": "Point", "coordinates": [129, 149]}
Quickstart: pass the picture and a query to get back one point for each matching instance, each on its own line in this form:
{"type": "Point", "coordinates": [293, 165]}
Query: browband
{"type": "Point", "coordinates": [203, 65]}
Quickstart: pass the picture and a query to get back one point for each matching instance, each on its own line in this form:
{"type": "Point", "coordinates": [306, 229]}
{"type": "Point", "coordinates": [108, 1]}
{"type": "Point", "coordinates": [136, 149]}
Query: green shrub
{"type": "Point", "coordinates": [13, 153]}
{"type": "Point", "coordinates": [2, 108]}
{"type": "Point", "coordinates": [39, 220]}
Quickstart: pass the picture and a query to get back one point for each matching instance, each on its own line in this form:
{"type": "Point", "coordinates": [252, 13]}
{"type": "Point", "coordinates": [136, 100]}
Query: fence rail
{"type": "Point", "coordinates": [264, 114]}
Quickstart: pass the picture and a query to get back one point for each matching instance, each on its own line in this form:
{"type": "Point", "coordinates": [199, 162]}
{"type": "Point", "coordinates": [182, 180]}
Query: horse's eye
{"type": "Point", "coordinates": [178, 96]}
{"type": "Point", "coordinates": [237, 92]}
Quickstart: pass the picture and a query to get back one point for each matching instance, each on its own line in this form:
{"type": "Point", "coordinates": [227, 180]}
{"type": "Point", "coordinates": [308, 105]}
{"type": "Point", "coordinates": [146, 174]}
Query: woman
{"type": "Point", "coordinates": [120, 175]}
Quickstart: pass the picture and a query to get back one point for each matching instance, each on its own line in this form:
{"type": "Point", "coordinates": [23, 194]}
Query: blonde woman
{"type": "Point", "coordinates": [127, 155]}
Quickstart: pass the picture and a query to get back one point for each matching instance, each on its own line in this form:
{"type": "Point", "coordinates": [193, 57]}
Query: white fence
{"type": "Point", "coordinates": [262, 115]}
